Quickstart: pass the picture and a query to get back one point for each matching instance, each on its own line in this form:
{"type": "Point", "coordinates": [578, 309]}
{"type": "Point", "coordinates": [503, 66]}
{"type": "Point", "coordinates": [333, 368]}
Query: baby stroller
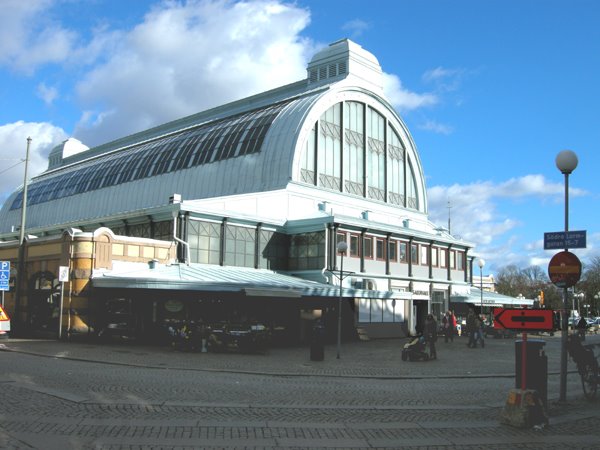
{"type": "Point", "coordinates": [415, 350]}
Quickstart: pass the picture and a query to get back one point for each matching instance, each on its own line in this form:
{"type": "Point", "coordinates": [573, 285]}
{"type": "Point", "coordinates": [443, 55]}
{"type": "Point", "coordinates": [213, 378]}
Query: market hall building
{"type": "Point", "coordinates": [235, 213]}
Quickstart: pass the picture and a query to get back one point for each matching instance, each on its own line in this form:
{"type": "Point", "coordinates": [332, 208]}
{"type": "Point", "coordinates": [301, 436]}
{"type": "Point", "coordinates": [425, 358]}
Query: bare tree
{"type": "Point", "coordinates": [590, 285]}
{"type": "Point", "coordinates": [533, 280]}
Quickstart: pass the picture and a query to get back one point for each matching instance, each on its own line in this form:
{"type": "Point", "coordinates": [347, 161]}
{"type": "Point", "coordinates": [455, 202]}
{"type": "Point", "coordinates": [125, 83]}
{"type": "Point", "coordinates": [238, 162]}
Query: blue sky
{"type": "Point", "coordinates": [490, 90]}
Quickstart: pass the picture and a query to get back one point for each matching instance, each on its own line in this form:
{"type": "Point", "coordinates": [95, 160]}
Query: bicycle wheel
{"type": "Point", "coordinates": [589, 379]}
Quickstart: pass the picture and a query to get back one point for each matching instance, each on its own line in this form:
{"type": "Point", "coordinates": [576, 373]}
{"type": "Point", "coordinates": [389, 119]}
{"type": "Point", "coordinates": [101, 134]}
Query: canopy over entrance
{"type": "Point", "coordinates": [490, 299]}
{"type": "Point", "coordinates": [212, 278]}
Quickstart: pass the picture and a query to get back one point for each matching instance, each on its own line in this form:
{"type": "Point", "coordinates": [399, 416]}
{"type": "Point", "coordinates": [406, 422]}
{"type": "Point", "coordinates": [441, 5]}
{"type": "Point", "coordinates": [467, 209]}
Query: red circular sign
{"type": "Point", "coordinates": [564, 269]}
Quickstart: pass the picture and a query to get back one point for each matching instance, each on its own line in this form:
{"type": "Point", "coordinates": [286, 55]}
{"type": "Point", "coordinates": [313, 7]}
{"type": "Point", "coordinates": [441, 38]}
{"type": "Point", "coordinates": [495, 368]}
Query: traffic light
{"type": "Point", "coordinates": [542, 298]}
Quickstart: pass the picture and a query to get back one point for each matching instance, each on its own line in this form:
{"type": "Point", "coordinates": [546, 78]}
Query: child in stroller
{"type": "Point", "coordinates": [414, 350]}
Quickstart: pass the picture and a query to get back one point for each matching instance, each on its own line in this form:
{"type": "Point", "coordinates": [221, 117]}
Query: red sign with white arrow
{"type": "Point", "coordinates": [524, 319]}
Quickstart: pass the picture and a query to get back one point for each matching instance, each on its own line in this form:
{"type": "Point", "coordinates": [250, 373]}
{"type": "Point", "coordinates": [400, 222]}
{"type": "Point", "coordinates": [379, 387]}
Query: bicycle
{"type": "Point", "coordinates": [587, 364]}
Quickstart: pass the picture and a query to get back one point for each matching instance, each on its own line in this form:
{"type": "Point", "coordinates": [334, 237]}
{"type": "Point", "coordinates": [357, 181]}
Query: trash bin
{"type": "Point", "coordinates": [536, 365]}
{"type": "Point", "coordinates": [317, 344]}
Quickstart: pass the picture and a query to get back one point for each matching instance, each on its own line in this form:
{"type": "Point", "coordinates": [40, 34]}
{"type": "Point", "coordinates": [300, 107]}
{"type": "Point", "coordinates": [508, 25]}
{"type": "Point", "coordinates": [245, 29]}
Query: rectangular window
{"type": "Point", "coordinates": [368, 247]}
{"type": "Point", "coordinates": [443, 257]}
{"type": "Point", "coordinates": [380, 249]}
{"type": "Point", "coordinates": [460, 261]}
{"type": "Point", "coordinates": [414, 253]}
{"type": "Point", "coordinates": [240, 246]}
{"type": "Point", "coordinates": [204, 239]}
{"type": "Point", "coordinates": [393, 251]}
{"type": "Point", "coordinates": [355, 245]}
{"type": "Point", "coordinates": [380, 311]}
{"type": "Point", "coordinates": [403, 252]}
{"type": "Point", "coordinates": [434, 256]}
{"type": "Point", "coordinates": [424, 255]}
{"type": "Point", "coordinates": [452, 259]}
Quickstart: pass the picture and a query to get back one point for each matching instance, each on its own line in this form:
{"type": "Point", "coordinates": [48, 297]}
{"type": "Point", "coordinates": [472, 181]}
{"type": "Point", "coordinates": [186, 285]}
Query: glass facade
{"type": "Point", "coordinates": [307, 251]}
{"type": "Point", "coordinates": [204, 239]}
{"type": "Point", "coordinates": [368, 160]}
{"type": "Point", "coordinates": [240, 245]}
{"type": "Point", "coordinates": [273, 250]}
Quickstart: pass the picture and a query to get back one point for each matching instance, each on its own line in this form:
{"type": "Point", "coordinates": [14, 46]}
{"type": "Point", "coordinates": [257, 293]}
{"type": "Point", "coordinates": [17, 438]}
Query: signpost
{"type": "Point", "coordinates": [4, 322]}
{"type": "Point", "coordinates": [63, 276]}
{"type": "Point", "coordinates": [565, 239]}
{"type": "Point", "coordinates": [564, 269]}
{"type": "Point", "coordinates": [524, 319]}
{"type": "Point", "coordinates": [4, 278]}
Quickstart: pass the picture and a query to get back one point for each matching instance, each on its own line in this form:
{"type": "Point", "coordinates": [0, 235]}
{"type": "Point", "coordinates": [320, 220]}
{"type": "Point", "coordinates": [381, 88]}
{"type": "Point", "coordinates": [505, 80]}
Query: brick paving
{"type": "Point", "coordinates": [128, 396]}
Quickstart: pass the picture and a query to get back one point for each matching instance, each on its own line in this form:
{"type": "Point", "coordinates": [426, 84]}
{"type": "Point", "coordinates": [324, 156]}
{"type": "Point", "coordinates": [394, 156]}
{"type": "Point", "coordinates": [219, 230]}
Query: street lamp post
{"type": "Point", "coordinates": [566, 162]}
{"type": "Point", "coordinates": [580, 299]}
{"type": "Point", "coordinates": [342, 247]}
{"type": "Point", "coordinates": [481, 263]}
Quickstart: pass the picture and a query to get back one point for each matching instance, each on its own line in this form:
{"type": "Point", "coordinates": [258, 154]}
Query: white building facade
{"type": "Point", "coordinates": [272, 183]}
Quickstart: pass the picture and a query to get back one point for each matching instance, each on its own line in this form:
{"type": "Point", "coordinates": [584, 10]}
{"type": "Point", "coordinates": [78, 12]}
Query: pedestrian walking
{"type": "Point", "coordinates": [471, 328]}
{"type": "Point", "coordinates": [453, 326]}
{"type": "Point", "coordinates": [480, 331]}
{"type": "Point", "coordinates": [431, 335]}
{"type": "Point", "coordinates": [449, 325]}
{"type": "Point", "coordinates": [581, 328]}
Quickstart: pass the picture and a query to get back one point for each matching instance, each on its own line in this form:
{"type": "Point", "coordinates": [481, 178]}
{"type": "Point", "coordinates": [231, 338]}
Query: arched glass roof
{"type": "Point", "coordinates": [234, 136]}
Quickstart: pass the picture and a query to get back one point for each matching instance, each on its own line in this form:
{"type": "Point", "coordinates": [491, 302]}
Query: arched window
{"type": "Point", "coordinates": [376, 162]}
{"type": "Point", "coordinates": [412, 198]}
{"type": "Point", "coordinates": [308, 167]}
{"type": "Point", "coordinates": [354, 139]}
{"type": "Point", "coordinates": [330, 148]}
{"type": "Point", "coordinates": [396, 168]}
{"type": "Point", "coordinates": [376, 155]}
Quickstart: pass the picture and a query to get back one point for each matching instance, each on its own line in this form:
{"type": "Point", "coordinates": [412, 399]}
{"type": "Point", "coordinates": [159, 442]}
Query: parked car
{"type": "Point", "coordinates": [593, 324]}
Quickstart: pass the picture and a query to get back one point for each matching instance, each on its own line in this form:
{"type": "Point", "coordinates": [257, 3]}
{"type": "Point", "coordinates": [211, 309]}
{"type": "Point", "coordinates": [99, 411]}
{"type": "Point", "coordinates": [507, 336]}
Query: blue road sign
{"type": "Point", "coordinates": [560, 240]}
{"type": "Point", "coordinates": [4, 275]}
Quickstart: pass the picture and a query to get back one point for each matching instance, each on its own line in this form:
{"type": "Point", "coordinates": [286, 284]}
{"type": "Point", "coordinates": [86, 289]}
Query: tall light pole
{"type": "Point", "coordinates": [342, 247]}
{"type": "Point", "coordinates": [566, 162]}
{"type": "Point", "coordinates": [481, 263]}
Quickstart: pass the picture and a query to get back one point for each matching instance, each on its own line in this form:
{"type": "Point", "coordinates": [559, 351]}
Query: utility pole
{"type": "Point", "coordinates": [21, 263]}
{"type": "Point", "coordinates": [449, 208]}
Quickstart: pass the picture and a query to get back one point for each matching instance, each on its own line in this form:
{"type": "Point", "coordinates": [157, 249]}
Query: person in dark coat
{"type": "Point", "coordinates": [431, 335]}
{"type": "Point", "coordinates": [581, 328]}
{"type": "Point", "coordinates": [471, 328]}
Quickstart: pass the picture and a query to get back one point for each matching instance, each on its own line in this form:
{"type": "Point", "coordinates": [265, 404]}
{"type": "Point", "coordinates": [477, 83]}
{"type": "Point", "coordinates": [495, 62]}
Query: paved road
{"type": "Point", "coordinates": [60, 395]}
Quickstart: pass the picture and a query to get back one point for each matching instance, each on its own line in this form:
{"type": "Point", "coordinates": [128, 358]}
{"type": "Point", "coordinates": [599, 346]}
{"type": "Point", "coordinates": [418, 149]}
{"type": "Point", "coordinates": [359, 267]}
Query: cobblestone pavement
{"type": "Point", "coordinates": [61, 395]}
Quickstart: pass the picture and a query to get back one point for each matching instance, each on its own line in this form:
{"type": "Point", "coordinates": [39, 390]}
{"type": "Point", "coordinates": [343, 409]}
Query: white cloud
{"type": "Point", "coordinates": [356, 27]}
{"type": "Point", "coordinates": [13, 147]}
{"type": "Point", "coordinates": [444, 80]}
{"type": "Point", "coordinates": [29, 38]}
{"type": "Point", "coordinates": [185, 58]}
{"type": "Point", "coordinates": [476, 219]}
{"type": "Point", "coordinates": [47, 93]}
{"type": "Point", "coordinates": [436, 127]}
{"type": "Point", "coordinates": [403, 99]}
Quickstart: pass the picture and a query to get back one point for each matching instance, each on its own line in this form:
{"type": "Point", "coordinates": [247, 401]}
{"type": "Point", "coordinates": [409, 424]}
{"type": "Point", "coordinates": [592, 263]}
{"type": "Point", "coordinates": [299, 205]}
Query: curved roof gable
{"type": "Point", "coordinates": [244, 147]}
